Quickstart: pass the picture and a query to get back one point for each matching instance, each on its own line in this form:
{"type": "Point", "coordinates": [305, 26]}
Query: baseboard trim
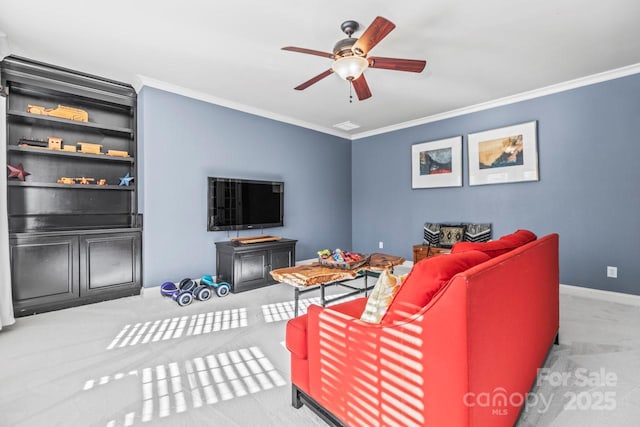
{"type": "Point", "coordinates": [151, 292]}
{"type": "Point", "coordinates": [618, 297]}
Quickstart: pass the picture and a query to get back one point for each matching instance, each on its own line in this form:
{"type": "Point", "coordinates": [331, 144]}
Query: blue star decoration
{"type": "Point", "coordinates": [18, 172]}
{"type": "Point", "coordinates": [125, 180]}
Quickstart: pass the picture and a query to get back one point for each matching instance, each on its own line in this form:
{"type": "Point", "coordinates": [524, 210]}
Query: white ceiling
{"type": "Point", "coordinates": [229, 52]}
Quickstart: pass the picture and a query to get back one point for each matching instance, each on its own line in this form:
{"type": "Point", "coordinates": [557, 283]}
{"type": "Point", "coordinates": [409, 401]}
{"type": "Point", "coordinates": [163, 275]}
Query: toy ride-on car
{"type": "Point", "coordinates": [222, 288]}
{"type": "Point", "coordinates": [185, 292]}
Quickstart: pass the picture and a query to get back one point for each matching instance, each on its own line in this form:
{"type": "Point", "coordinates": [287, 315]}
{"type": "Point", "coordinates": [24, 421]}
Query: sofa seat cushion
{"type": "Point", "coordinates": [498, 247]}
{"type": "Point", "coordinates": [426, 279]}
{"type": "Point", "coordinates": [381, 296]}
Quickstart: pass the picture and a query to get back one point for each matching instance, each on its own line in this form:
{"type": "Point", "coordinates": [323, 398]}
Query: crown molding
{"type": "Point", "coordinates": [141, 81]}
{"type": "Point", "coordinates": [536, 93]}
{"type": "Point", "coordinates": [4, 45]}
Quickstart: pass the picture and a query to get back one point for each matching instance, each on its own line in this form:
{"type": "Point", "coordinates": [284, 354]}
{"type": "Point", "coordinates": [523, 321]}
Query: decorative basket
{"type": "Point", "coordinates": [344, 265]}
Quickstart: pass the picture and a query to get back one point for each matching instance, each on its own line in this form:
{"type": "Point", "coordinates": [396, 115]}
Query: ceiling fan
{"type": "Point", "coordinates": [350, 56]}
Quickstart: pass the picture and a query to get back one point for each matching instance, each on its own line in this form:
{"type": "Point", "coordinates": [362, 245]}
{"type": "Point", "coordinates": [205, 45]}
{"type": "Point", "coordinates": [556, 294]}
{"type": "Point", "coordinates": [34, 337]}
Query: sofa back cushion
{"type": "Point", "coordinates": [425, 280]}
{"type": "Point", "coordinates": [521, 236]}
{"type": "Point", "coordinates": [498, 247]}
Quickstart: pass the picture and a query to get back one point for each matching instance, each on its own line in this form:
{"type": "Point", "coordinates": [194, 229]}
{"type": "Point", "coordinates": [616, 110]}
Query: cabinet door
{"type": "Point", "coordinates": [281, 258]}
{"type": "Point", "coordinates": [44, 271]}
{"type": "Point", "coordinates": [251, 270]}
{"type": "Point", "coordinates": [109, 262]}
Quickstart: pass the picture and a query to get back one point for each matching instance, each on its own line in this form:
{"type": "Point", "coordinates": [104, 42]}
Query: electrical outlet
{"type": "Point", "coordinates": [612, 272]}
{"type": "Point", "coordinates": [381, 245]}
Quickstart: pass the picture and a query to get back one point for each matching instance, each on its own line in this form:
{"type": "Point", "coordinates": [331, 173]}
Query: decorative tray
{"type": "Point", "coordinates": [344, 265]}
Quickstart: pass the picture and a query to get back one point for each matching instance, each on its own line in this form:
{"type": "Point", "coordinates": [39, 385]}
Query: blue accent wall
{"type": "Point", "coordinates": [589, 188]}
{"type": "Point", "coordinates": [183, 141]}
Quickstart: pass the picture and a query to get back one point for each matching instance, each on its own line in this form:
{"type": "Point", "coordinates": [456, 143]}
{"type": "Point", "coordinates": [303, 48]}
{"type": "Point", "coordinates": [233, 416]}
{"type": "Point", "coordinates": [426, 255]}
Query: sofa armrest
{"type": "Point", "coordinates": [296, 335]}
{"type": "Point", "coordinates": [297, 339]}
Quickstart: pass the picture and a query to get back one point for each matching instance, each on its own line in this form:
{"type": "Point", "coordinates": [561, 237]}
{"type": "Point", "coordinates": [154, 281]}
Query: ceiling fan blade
{"type": "Point", "coordinates": [361, 87]}
{"type": "Point", "coordinates": [412, 65]}
{"type": "Point", "coordinates": [309, 51]}
{"type": "Point", "coordinates": [313, 80]}
{"type": "Point", "coordinates": [378, 30]}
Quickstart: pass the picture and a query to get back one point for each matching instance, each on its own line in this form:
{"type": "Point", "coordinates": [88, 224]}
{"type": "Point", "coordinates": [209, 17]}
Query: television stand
{"type": "Point", "coordinates": [248, 267]}
{"type": "Point", "coordinates": [256, 239]}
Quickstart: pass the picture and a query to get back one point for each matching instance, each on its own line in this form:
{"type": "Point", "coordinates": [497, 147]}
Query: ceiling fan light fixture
{"type": "Point", "coordinates": [350, 67]}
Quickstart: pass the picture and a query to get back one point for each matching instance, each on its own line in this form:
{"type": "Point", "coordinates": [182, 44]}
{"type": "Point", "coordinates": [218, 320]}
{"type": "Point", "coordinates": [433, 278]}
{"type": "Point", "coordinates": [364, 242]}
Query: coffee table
{"type": "Point", "coordinates": [310, 277]}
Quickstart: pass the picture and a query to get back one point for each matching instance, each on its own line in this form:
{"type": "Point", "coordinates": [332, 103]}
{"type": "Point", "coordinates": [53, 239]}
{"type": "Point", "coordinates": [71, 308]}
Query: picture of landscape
{"type": "Point", "coordinates": [437, 164]}
{"type": "Point", "coordinates": [501, 152]}
{"type": "Point", "coordinates": [435, 161]}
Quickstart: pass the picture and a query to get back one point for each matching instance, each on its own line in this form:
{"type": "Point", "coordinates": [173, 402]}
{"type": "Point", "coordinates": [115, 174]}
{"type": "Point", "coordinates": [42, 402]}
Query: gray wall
{"type": "Point", "coordinates": [589, 152]}
{"type": "Point", "coordinates": [182, 141]}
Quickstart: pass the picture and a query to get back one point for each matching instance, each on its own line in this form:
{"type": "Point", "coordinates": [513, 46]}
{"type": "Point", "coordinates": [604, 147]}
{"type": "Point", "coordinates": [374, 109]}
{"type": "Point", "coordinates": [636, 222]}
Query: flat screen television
{"type": "Point", "coordinates": [241, 204]}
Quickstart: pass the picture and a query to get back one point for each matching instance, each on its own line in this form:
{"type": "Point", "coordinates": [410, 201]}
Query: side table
{"type": "Point", "coordinates": [424, 251]}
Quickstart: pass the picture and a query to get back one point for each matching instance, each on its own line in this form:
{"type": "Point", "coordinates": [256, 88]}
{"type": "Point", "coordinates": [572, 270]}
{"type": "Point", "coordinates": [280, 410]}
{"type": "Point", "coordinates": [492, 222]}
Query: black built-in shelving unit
{"type": "Point", "coordinates": [70, 244]}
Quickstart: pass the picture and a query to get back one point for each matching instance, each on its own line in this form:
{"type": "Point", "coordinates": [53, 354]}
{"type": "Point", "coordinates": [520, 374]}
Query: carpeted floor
{"type": "Point", "coordinates": [593, 377]}
{"type": "Point", "coordinates": [146, 361]}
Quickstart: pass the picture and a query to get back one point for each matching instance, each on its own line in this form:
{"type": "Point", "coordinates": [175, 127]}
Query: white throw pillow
{"type": "Point", "coordinates": [383, 292]}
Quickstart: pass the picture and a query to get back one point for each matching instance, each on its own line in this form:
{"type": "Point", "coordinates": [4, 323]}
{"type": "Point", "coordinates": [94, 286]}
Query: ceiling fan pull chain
{"type": "Point", "coordinates": [350, 92]}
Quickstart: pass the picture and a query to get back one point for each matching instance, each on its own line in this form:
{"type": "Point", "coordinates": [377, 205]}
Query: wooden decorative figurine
{"type": "Point", "coordinates": [32, 142]}
{"type": "Point", "coordinates": [55, 143]}
{"type": "Point", "coordinates": [86, 147]}
{"type": "Point", "coordinates": [61, 111]}
{"type": "Point", "coordinates": [117, 153]}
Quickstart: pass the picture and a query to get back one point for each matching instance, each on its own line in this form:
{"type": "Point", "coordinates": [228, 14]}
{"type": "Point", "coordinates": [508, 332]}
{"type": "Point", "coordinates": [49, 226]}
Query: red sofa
{"type": "Point", "coordinates": [466, 358]}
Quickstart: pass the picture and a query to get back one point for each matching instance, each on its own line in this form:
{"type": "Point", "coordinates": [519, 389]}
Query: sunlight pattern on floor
{"type": "Point", "coordinates": [206, 380]}
{"type": "Point", "coordinates": [280, 311]}
{"type": "Point", "coordinates": [172, 328]}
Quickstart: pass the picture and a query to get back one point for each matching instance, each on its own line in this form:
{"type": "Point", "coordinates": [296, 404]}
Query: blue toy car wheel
{"type": "Point", "coordinates": [202, 293]}
{"type": "Point", "coordinates": [184, 299]}
{"type": "Point", "coordinates": [223, 289]}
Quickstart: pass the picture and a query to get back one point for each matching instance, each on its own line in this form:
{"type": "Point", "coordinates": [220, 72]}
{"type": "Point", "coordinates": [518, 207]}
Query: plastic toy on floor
{"type": "Point", "coordinates": [185, 292]}
{"type": "Point", "coordinates": [222, 288]}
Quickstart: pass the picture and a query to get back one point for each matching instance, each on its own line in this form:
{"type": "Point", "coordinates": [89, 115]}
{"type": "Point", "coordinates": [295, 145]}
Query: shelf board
{"type": "Point", "coordinates": [66, 122]}
{"type": "Point", "coordinates": [47, 152]}
{"type": "Point", "coordinates": [69, 186]}
{"type": "Point", "coordinates": [64, 231]}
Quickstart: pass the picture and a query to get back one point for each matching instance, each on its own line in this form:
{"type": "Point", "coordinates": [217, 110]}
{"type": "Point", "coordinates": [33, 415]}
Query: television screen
{"type": "Point", "coordinates": [238, 204]}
